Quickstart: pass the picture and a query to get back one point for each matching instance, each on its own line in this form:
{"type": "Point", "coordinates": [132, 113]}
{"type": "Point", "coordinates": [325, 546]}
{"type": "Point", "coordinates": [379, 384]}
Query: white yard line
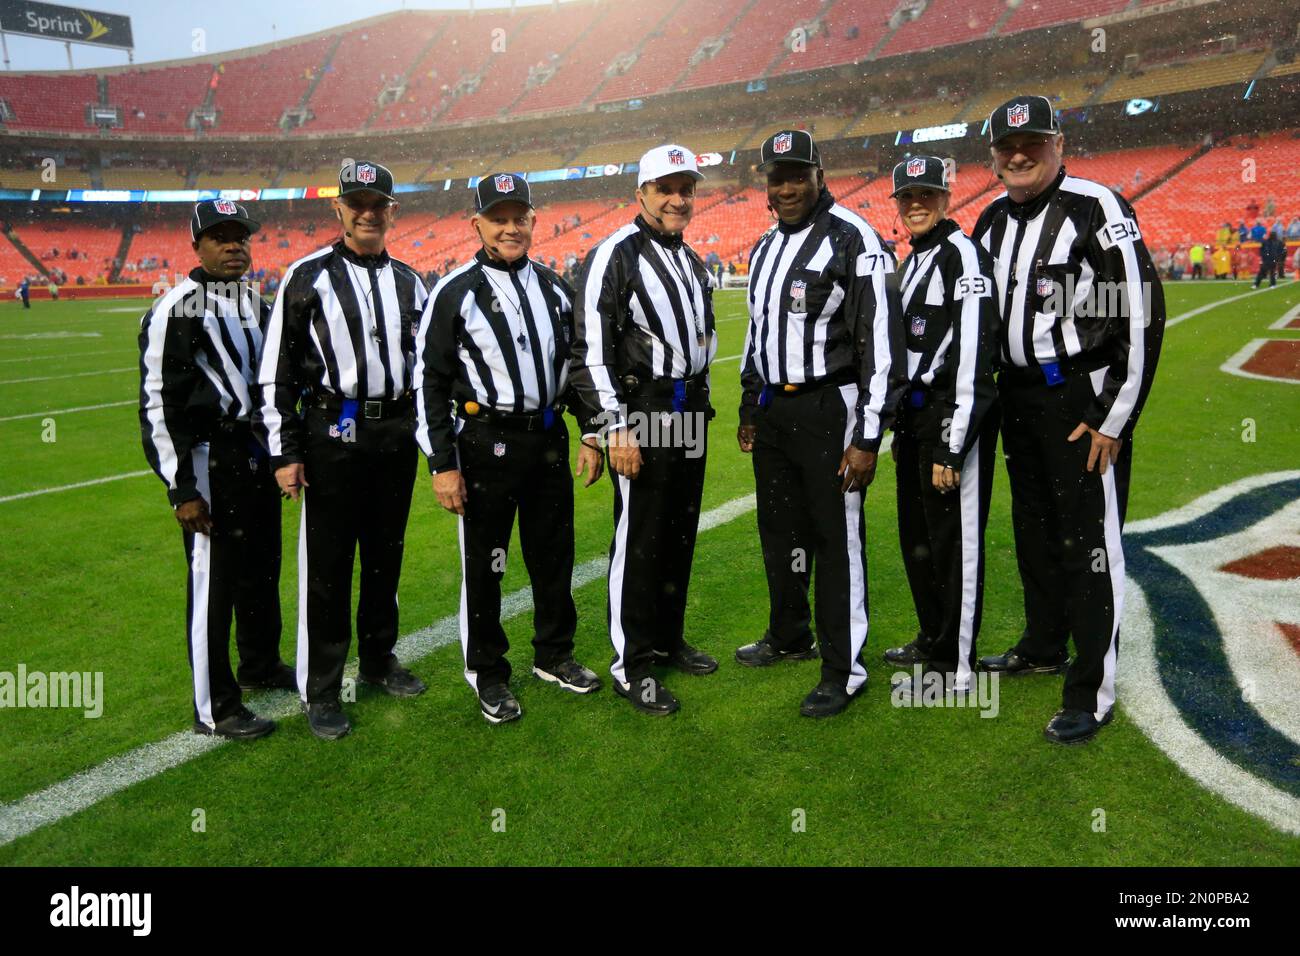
{"type": "Point", "coordinates": [80, 484]}
{"type": "Point", "coordinates": [65, 355]}
{"type": "Point", "coordinates": [50, 378]}
{"type": "Point", "coordinates": [68, 411]}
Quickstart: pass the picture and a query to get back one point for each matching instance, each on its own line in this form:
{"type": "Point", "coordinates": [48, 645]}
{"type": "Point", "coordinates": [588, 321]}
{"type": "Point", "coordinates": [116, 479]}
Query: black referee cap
{"type": "Point", "coordinates": [213, 212]}
{"type": "Point", "coordinates": [1023, 114]}
{"type": "Point", "coordinates": [357, 176]}
{"type": "Point", "coordinates": [789, 146]}
{"type": "Point", "coordinates": [501, 187]}
{"type": "Point", "coordinates": [927, 171]}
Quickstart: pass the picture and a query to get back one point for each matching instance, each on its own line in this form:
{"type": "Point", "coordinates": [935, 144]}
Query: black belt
{"type": "Point", "coordinates": [789, 389]}
{"type": "Point", "coordinates": [538, 421]}
{"type": "Point", "coordinates": [370, 408]}
{"type": "Point", "coordinates": [646, 387]}
{"type": "Point", "coordinates": [1050, 373]}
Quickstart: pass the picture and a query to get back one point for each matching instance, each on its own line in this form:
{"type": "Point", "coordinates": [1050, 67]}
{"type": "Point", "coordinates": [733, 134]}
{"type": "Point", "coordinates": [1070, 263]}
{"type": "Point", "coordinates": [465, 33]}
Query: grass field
{"type": "Point", "coordinates": [94, 581]}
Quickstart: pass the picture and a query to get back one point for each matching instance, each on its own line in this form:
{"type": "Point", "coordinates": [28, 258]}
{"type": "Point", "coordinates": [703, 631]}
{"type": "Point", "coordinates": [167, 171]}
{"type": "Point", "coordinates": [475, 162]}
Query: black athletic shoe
{"type": "Point", "coordinates": [570, 675]}
{"type": "Point", "coordinates": [913, 652]}
{"type": "Point", "coordinates": [398, 682]}
{"type": "Point", "coordinates": [1071, 726]}
{"type": "Point", "coordinates": [327, 720]}
{"type": "Point", "coordinates": [1015, 664]}
{"type": "Point", "coordinates": [825, 700]}
{"type": "Point", "coordinates": [498, 704]}
{"type": "Point", "coordinates": [243, 724]}
{"type": "Point", "coordinates": [688, 660]}
{"type": "Point", "coordinates": [761, 653]}
{"type": "Point", "coordinates": [281, 677]}
{"type": "Point", "coordinates": [648, 696]}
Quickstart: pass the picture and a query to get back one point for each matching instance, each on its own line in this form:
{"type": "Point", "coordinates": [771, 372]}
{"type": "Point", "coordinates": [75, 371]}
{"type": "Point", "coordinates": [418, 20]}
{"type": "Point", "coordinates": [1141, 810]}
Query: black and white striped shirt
{"type": "Point", "coordinates": [822, 305]}
{"type": "Point", "coordinates": [950, 318]}
{"type": "Point", "coordinates": [494, 334]}
{"type": "Point", "coordinates": [199, 347]}
{"type": "Point", "coordinates": [1062, 261]}
{"type": "Point", "coordinates": [343, 325]}
{"type": "Point", "coordinates": [645, 307]}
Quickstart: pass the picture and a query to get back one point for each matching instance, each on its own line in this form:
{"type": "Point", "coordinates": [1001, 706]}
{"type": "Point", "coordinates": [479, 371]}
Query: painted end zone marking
{"type": "Point", "coordinates": [1290, 319]}
{"type": "Point", "coordinates": [1269, 360]}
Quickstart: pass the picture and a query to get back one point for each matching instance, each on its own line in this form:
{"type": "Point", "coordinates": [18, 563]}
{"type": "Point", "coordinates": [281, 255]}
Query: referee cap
{"type": "Point", "coordinates": [666, 160]}
{"type": "Point", "coordinates": [501, 187]}
{"type": "Point", "coordinates": [213, 212]}
{"type": "Point", "coordinates": [927, 171]}
{"type": "Point", "coordinates": [358, 176]}
{"type": "Point", "coordinates": [1023, 114]}
{"type": "Point", "coordinates": [789, 146]}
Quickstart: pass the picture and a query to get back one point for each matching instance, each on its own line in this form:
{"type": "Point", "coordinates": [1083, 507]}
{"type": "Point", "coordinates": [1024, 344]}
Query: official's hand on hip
{"type": "Point", "coordinates": [591, 463]}
{"type": "Point", "coordinates": [624, 453]}
{"type": "Point", "coordinates": [745, 437]}
{"type": "Point", "coordinates": [858, 468]}
{"type": "Point", "coordinates": [449, 486]}
{"type": "Point", "coordinates": [1104, 448]}
{"type": "Point", "coordinates": [292, 478]}
{"type": "Point", "coordinates": [193, 516]}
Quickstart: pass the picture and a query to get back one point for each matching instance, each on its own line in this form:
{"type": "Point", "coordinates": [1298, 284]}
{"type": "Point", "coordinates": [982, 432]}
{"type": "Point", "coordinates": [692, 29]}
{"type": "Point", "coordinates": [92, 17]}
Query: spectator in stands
{"type": "Point", "coordinates": [1196, 256]}
{"type": "Point", "coordinates": [1277, 231]}
{"type": "Point", "coordinates": [1242, 232]}
{"type": "Point", "coordinates": [1222, 259]}
{"type": "Point", "coordinates": [1270, 207]}
{"type": "Point", "coordinates": [1258, 232]}
{"type": "Point", "coordinates": [1252, 209]}
{"type": "Point", "coordinates": [1224, 236]}
{"type": "Point", "coordinates": [1293, 229]}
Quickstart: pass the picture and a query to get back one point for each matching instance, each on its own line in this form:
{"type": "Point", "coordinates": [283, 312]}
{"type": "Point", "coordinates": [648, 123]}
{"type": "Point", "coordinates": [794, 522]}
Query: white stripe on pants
{"type": "Point", "coordinates": [858, 619]}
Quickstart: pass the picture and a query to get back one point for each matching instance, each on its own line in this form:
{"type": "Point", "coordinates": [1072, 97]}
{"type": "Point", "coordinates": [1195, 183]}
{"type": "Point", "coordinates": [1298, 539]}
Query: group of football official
{"type": "Point", "coordinates": [325, 397]}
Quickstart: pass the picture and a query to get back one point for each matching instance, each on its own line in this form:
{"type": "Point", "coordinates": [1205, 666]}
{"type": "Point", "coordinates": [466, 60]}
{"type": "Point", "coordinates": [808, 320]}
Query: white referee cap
{"type": "Point", "coordinates": [666, 160]}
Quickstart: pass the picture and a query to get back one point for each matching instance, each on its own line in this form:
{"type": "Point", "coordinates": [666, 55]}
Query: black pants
{"type": "Point", "coordinates": [358, 494]}
{"type": "Point", "coordinates": [942, 534]}
{"type": "Point", "coordinates": [806, 521]}
{"type": "Point", "coordinates": [1068, 523]}
{"type": "Point", "coordinates": [508, 471]}
{"type": "Point", "coordinates": [234, 571]}
{"type": "Point", "coordinates": [1267, 270]}
{"type": "Point", "coordinates": [656, 518]}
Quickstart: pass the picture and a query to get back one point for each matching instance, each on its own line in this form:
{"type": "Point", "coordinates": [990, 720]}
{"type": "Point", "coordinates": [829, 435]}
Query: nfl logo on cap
{"type": "Point", "coordinates": [676, 158]}
{"type": "Point", "coordinates": [915, 167]}
{"type": "Point", "coordinates": [225, 207]}
{"type": "Point", "coordinates": [782, 143]}
{"type": "Point", "coordinates": [365, 173]}
{"type": "Point", "coordinates": [505, 184]}
{"type": "Point", "coordinates": [1018, 115]}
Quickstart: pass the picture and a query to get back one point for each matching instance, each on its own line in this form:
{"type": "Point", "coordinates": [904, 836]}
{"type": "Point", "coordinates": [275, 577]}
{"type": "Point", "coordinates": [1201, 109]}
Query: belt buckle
{"type": "Point", "coordinates": [373, 409]}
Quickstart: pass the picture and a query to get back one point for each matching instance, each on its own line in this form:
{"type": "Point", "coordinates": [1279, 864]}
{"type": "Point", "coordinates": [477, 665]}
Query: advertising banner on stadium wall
{"type": "Point", "coordinates": [69, 24]}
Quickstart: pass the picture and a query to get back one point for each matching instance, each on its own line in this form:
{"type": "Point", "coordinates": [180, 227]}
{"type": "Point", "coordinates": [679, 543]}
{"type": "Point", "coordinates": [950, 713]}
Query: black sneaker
{"type": "Point", "coordinates": [398, 682]}
{"type": "Point", "coordinates": [570, 675]}
{"type": "Point", "coordinates": [1071, 726]}
{"type": "Point", "coordinates": [761, 653]}
{"type": "Point", "coordinates": [687, 659]}
{"type": "Point", "coordinates": [327, 720]}
{"type": "Point", "coordinates": [913, 652]}
{"type": "Point", "coordinates": [826, 700]}
{"type": "Point", "coordinates": [243, 724]}
{"type": "Point", "coordinates": [498, 704]}
{"type": "Point", "coordinates": [1015, 664]}
{"type": "Point", "coordinates": [649, 696]}
{"type": "Point", "coordinates": [280, 677]}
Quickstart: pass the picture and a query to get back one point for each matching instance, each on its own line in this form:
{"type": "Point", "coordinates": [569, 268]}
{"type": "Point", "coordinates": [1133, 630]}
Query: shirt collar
{"type": "Point", "coordinates": [669, 240]}
{"type": "Point", "coordinates": [378, 261]}
{"type": "Point", "coordinates": [1028, 210]}
{"type": "Point", "coordinates": [942, 229]}
{"type": "Point", "coordinates": [205, 278]}
{"type": "Point", "coordinates": [488, 262]}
